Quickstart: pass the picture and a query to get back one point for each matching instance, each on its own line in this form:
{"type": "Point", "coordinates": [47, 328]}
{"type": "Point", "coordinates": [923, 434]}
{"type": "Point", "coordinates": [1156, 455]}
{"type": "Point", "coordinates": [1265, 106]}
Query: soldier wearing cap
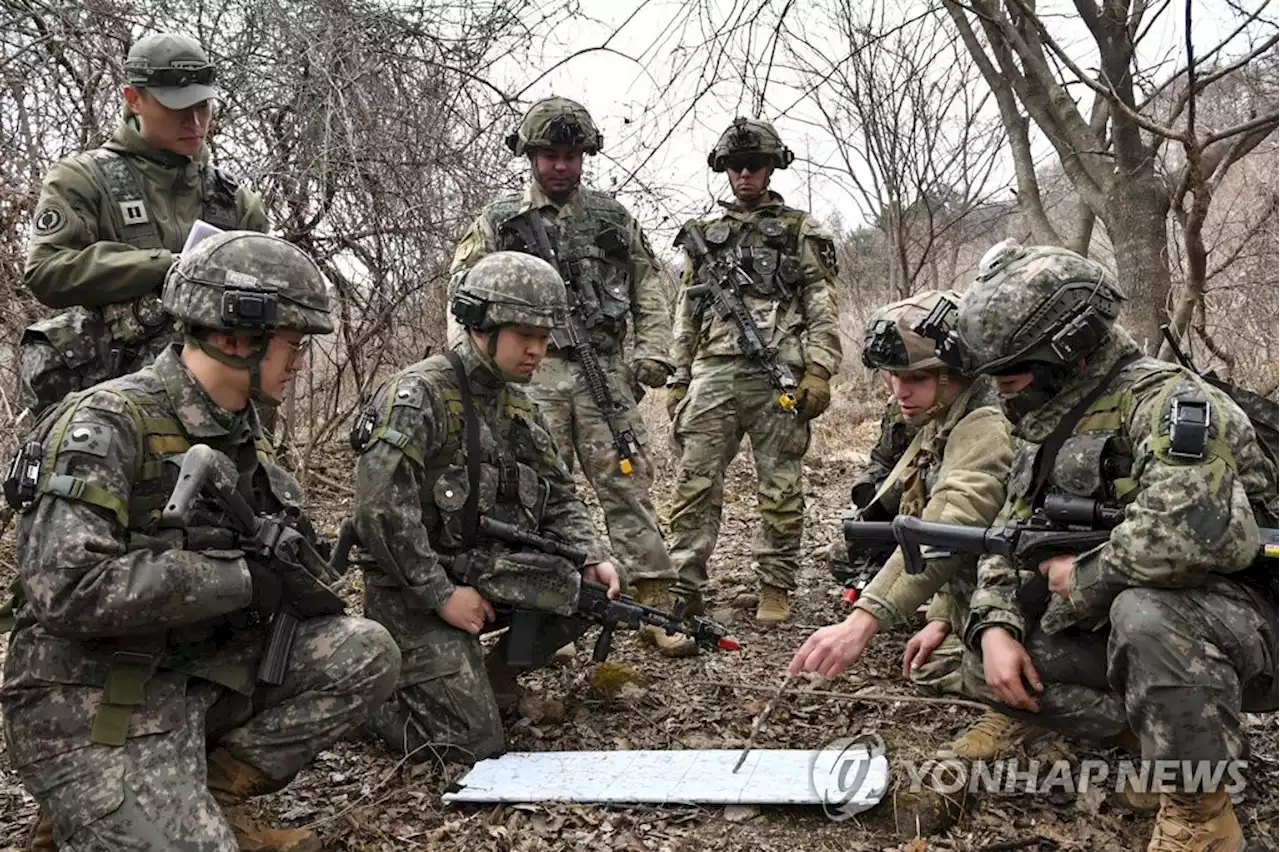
{"type": "Point", "coordinates": [110, 222]}
{"type": "Point", "coordinates": [717, 395]}
{"type": "Point", "coordinates": [615, 288]}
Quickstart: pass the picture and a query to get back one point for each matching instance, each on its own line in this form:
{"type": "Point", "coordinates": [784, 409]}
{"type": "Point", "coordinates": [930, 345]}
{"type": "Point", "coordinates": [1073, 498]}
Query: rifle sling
{"type": "Point", "coordinates": [1052, 445]}
{"type": "Point", "coordinates": [471, 508]}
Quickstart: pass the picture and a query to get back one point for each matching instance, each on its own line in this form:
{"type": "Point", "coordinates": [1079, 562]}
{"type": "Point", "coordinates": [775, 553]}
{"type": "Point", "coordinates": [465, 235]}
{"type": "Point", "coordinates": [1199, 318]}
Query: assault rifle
{"type": "Point", "coordinates": [595, 606]}
{"type": "Point", "coordinates": [272, 539]}
{"type": "Point", "coordinates": [722, 282]}
{"type": "Point", "coordinates": [1065, 524]}
{"type": "Point", "coordinates": [624, 437]}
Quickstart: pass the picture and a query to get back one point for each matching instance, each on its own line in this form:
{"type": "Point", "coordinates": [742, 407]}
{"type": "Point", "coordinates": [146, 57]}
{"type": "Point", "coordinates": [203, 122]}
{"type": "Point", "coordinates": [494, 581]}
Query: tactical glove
{"type": "Point", "coordinates": [814, 394]}
{"type": "Point", "coordinates": [650, 373]}
{"type": "Point", "coordinates": [675, 393]}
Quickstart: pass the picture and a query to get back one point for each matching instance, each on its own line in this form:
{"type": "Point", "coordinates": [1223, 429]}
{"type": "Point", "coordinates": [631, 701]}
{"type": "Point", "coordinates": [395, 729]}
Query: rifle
{"type": "Point", "coordinates": [271, 538]}
{"type": "Point", "coordinates": [1065, 525]}
{"type": "Point", "coordinates": [624, 438]}
{"type": "Point", "coordinates": [723, 281]}
{"type": "Point", "coordinates": [595, 606]}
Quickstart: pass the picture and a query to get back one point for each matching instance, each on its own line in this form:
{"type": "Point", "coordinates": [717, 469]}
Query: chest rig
{"type": "Point", "coordinates": [508, 442]}
{"type": "Point", "coordinates": [767, 247]}
{"type": "Point", "coordinates": [35, 472]}
{"type": "Point", "coordinates": [594, 247]}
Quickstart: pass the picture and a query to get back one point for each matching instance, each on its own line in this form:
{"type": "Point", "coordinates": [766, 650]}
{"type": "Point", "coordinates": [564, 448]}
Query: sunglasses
{"type": "Point", "coordinates": [747, 164]}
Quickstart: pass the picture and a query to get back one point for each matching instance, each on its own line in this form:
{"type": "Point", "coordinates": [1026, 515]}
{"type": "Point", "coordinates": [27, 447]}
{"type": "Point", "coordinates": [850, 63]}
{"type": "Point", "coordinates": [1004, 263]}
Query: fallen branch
{"type": "Point", "coordinates": [850, 696]}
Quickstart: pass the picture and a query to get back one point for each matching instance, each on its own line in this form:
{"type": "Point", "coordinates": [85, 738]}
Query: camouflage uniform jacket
{"type": "Point", "coordinates": [959, 472]}
{"type": "Point", "coordinates": [1185, 518]}
{"type": "Point", "coordinates": [609, 256]}
{"type": "Point", "coordinates": [98, 580]}
{"type": "Point", "coordinates": [412, 482]}
{"type": "Point", "coordinates": [78, 253]}
{"type": "Point", "coordinates": [801, 317]}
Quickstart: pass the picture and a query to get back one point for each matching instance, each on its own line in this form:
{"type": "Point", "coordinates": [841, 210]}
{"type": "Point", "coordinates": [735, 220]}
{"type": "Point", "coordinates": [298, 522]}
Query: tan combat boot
{"type": "Point", "coordinates": [232, 782]}
{"type": "Point", "coordinates": [774, 606]}
{"type": "Point", "coordinates": [42, 835]}
{"type": "Point", "coordinates": [657, 594]}
{"type": "Point", "coordinates": [988, 738]}
{"type": "Point", "coordinates": [1196, 822]}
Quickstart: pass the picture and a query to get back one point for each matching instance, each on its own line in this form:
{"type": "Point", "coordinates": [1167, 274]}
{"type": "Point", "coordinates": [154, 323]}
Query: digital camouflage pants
{"type": "Point", "coordinates": [444, 706]}
{"type": "Point", "coordinates": [149, 795]}
{"type": "Point", "coordinates": [580, 431]}
{"type": "Point", "coordinates": [1177, 666]}
{"type": "Point", "coordinates": [727, 400]}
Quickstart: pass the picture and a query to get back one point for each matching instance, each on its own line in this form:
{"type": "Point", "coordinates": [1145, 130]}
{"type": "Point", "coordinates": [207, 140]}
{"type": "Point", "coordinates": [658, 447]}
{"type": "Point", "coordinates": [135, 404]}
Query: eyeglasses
{"type": "Point", "coordinates": [747, 164]}
{"type": "Point", "coordinates": [299, 351]}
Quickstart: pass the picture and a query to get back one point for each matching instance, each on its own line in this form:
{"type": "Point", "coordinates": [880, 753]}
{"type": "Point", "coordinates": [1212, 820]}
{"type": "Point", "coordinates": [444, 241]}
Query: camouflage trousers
{"type": "Point", "coordinates": [729, 398]}
{"type": "Point", "coordinates": [1177, 666]}
{"type": "Point", "coordinates": [149, 795]}
{"type": "Point", "coordinates": [580, 430]}
{"type": "Point", "coordinates": [942, 671]}
{"type": "Point", "coordinates": [444, 706]}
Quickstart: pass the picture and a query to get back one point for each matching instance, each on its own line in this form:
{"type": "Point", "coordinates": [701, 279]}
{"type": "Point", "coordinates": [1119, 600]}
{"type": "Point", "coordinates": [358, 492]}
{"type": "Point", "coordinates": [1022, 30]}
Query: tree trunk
{"type": "Point", "coordinates": [1137, 210]}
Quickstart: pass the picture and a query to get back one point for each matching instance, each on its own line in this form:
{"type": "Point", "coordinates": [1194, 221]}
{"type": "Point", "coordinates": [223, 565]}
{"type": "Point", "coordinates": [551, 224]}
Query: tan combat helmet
{"type": "Point", "coordinates": [891, 343]}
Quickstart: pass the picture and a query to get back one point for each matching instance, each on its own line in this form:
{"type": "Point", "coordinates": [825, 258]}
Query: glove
{"type": "Point", "coordinates": [650, 373]}
{"type": "Point", "coordinates": [675, 393]}
{"type": "Point", "coordinates": [814, 394]}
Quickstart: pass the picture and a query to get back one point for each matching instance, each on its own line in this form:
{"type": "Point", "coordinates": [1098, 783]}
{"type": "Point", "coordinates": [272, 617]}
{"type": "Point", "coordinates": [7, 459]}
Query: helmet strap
{"type": "Point", "coordinates": [251, 362]}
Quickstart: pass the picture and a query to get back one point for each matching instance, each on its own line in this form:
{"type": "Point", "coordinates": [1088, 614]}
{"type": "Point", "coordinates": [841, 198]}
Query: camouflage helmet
{"type": "Point", "coordinates": [891, 341]}
{"type": "Point", "coordinates": [556, 121]}
{"type": "Point", "coordinates": [749, 136]}
{"type": "Point", "coordinates": [508, 288]}
{"type": "Point", "coordinates": [248, 281]}
{"type": "Point", "coordinates": [1038, 304]}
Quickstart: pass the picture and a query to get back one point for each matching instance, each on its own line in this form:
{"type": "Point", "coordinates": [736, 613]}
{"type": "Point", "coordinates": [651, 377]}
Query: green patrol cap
{"type": "Point", "coordinates": [173, 68]}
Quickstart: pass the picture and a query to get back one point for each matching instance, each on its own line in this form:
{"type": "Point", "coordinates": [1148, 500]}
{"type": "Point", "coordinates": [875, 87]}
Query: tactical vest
{"type": "Point", "coordinates": [82, 347]}
{"type": "Point", "coordinates": [595, 245]}
{"type": "Point", "coordinates": [1096, 460]}
{"type": "Point", "coordinates": [767, 249]}
{"type": "Point", "coordinates": [510, 489]}
{"type": "Point", "coordinates": [159, 436]}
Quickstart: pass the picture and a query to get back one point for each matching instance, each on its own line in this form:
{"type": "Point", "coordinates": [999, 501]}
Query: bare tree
{"type": "Point", "coordinates": [1111, 150]}
{"type": "Point", "coordinates": [907, 117]}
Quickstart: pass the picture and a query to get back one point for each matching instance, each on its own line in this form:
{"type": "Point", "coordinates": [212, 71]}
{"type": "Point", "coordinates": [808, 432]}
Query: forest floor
{"type": "Point", "coordinates": [362, 800]}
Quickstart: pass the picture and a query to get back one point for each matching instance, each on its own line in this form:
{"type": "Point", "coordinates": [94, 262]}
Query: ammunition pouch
{"type": "Point", "coordinates": [529, 580]}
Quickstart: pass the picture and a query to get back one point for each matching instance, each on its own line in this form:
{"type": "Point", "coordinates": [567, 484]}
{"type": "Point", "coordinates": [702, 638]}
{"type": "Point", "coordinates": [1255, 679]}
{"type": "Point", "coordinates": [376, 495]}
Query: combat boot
{"type": "Point", "coordinates": [502, 678]}
{"type": "Point", "coordinates": [232, 782]}
{"type": "Point", "coordinates": [1196, 822]}
{"type": "Point", "coordinates": [990, 737]}
{"type": "Point", "coordinates": [42, 835]}
{"type": "Point", "coordinates": [774, 606]}
{"type": "Point", "coordinates": [657, 594]}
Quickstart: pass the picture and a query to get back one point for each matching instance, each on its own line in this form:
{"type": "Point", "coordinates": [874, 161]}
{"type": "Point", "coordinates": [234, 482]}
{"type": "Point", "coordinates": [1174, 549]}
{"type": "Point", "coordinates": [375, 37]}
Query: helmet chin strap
{"type": "Point", "coordinates": [251, 362]}
{"type": "Point", "coordinates": [489, 357]}
{"type": "Point", "coordinates": [940, 405]}
{"type": "Point", "coordinates": [1047, 380]}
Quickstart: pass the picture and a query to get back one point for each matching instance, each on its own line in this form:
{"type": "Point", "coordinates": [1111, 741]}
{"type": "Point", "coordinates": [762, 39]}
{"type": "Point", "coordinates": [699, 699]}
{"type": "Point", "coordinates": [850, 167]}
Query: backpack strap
{"type": "Point", "coordinates": [470, 509]}
{"type": "Point", "coordinates": [128, 203]}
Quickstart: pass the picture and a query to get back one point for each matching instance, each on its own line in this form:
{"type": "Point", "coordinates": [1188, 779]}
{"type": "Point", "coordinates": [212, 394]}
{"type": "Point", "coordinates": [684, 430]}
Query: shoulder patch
{"type": "Point", "coordinates": [825, 249]}
{"type": "Point", "coordinates": [409, 392]}
{"type": "Point", "coordinates": [49, 220]}
{"type": "Point", "coordinates": [86, 436]}
{"type": "Point", "coordinates": [108, 401]}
